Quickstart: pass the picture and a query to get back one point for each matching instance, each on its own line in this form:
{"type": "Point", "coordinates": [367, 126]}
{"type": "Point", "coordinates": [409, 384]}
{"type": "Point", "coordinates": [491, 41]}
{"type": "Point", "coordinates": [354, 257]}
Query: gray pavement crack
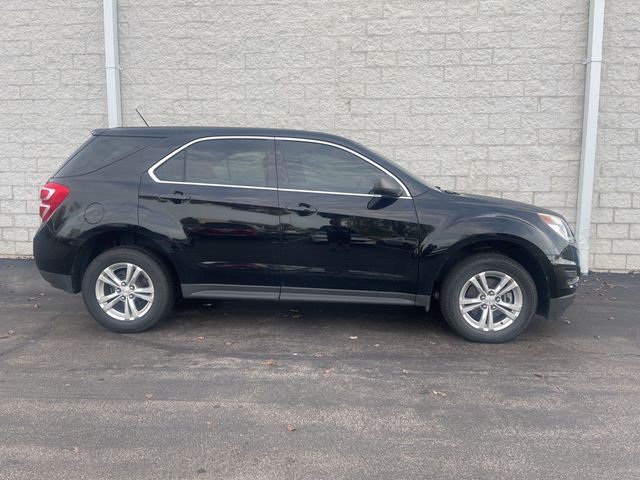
{"type": "Point", "coordinates": [32, 339]}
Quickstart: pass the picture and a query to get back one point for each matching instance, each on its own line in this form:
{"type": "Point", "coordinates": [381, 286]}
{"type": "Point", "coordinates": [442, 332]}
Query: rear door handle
{"type": "Point", "coordinates": [302, 209]}
{"type": "Point", "coordinates": [174, 197]}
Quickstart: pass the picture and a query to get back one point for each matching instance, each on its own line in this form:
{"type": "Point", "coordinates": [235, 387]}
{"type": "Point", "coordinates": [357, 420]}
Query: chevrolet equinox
{"type": "Point", "coordinates": [137, 218]}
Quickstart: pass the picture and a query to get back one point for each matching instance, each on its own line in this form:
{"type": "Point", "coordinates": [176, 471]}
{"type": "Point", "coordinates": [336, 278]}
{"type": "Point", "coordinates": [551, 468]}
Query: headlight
{"type": "Point", "coordinates": [558, 225]}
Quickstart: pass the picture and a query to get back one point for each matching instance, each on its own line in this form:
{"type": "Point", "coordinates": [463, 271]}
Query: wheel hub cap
{"type": "Point", "coordinates": [124, 291]}
{"type": "Point", "coordinates": [490, 301]}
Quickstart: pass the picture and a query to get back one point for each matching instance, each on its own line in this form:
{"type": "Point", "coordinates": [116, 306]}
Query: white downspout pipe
{"type": "Point", "coordinates": [112, 63]}
{"type": "Point", "coordinates": [589, 129]}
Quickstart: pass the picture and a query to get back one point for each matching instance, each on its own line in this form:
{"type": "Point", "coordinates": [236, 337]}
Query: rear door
{"type": "Point", "coordinates": [214, 204]}
{"type": "Point", "coordinates": [340, 241]}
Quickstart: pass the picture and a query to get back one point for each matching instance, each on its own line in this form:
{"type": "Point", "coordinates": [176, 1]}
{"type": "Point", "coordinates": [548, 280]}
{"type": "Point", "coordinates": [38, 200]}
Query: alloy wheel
{"type": "Point", "coordinates": [490, 301]}
{"type": "Point", "coordinates": [124, 291]}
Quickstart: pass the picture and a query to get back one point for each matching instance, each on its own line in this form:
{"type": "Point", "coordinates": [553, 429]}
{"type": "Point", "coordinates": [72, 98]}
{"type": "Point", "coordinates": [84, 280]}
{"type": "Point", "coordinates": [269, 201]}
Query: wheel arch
{"type": "Point", "coordinates": [106, 239]}
{"type": "Point", "coordinates": [518, 249]}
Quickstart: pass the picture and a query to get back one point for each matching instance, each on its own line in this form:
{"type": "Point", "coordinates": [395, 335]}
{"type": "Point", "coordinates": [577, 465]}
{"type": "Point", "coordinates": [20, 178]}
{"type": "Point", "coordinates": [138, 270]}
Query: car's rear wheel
{"type": "Point", "coordinates": [488, 298]}
{"type": "Point", "coordinates": [127, 290]}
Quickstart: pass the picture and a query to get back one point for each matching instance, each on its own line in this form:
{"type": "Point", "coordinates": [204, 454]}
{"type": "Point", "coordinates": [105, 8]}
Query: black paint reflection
{"type": "Point", "coordinates": [348, 244]}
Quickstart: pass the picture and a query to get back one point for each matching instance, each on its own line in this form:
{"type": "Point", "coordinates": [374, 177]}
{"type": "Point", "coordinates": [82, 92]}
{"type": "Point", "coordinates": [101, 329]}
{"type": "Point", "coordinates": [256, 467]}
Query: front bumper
{"type": "Point", "coordinates": [557, 306]}
{"type": "Point", "coordinates": [563, 279]}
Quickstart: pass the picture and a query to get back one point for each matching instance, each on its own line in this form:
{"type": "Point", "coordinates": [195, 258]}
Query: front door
{"type": "Point", "coordinates": [218, 197]}
{"type": "Point", "coordinates": [340, 241]}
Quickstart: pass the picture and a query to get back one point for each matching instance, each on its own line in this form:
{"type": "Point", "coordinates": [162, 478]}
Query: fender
{"type": "Point", "coordinates": [446, 235]}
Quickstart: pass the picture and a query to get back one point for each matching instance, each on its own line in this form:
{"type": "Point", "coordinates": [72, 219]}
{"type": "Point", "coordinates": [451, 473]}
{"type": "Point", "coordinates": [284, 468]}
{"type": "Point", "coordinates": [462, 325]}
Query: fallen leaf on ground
{"type": "Point", "coordinates": [271, 362]}
{"type": "Point", "coordinates": [436, 392]}
{"type": "Point", "coordinates": [200, 337]}
{"type": "Point", "coordinates": [539, 375]}
{"type": "Point", "coordinates": [353, 337]}
{"type": "Point", "coordinates": [291, 428]}
{"type": "Point", "coordinates": [76, 449]}
{"type": "Point", "coordinates": [148, 396]}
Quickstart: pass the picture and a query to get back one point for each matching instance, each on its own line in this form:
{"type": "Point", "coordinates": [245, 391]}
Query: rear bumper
{"type": "Point", "coordinates": [58, 280]}
{"type": "Point", "coordinates": [558, 305]}
{"type": "Point", "coordinates": [54, 259]}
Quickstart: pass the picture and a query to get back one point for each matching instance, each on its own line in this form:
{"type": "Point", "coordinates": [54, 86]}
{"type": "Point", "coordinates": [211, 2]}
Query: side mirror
{"type": "Point", "coordinates": [387, 187]}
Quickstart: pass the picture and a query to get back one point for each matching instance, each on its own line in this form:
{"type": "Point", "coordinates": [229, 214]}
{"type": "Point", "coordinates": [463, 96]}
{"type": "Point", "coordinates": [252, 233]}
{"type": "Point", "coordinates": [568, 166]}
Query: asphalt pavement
{"type": "Point", "coordinates": [253, 390]}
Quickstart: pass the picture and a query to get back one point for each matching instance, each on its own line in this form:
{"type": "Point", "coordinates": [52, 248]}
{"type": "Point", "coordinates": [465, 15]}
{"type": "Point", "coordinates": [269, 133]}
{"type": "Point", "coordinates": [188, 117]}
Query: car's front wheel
{"type": "Point", "coordinates": [127, 290]}
{"type": "Point", "coordinates": [488, 298]}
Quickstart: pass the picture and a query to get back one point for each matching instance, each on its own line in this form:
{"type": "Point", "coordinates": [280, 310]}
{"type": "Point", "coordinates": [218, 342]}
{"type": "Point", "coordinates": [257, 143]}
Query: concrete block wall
{"type": "Point", "coordinates": [51, 95]}
{"type": "Point", "coordinates": [481, 96]}
{"type": "Point", "coordinates": [615, 230]}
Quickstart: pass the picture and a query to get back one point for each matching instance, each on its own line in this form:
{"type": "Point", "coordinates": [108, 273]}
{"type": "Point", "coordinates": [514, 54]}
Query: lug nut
{"type": "Point", "coordinates": [122, 297]}
{"type": "Point", "coordinates": [123, 284]}
{"type": "Point", "coordinates": [490, 292]}
{"type": "Point", "coordinates": [482, 297]}
{"type": "Point", "coordinates": [484, 306]}
{"type": "Point", "coordinates": [132, 287]}
{"type": "Point", "coordinates": [493, 307]}
{"type": "Point", "coordinates": [130, 296]}
{"type": "Point", "coordinates": [117, 290]}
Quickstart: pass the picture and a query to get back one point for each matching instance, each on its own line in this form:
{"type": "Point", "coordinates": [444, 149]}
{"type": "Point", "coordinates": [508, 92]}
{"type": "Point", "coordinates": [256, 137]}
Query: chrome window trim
{"type": "Point", "coordinates": [152, 169]}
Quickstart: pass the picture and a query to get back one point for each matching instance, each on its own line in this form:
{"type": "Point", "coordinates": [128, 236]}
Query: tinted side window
{"type": "Point", "coordinates": [173, 169]}
{"type": "Point", "coordinates": [220, 162]}
{"type": "Point", "coordinates": [313, 166]}
{"type": "Point", "coordinates": [100, 151]}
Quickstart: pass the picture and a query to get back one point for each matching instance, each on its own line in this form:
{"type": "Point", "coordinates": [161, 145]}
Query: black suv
{"type": "Point", "coordinates": [139, 217]}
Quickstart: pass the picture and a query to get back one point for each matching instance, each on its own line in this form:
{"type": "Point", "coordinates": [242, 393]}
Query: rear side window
{"type": "Point", "coordinates": [101, 151]}
{"type": "Point", "coordinates": [220, 162]}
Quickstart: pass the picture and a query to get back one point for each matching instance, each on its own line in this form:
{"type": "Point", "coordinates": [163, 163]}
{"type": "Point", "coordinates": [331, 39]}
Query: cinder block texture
{"type": "Point", "coordinates": [483, 96]}
{"type": "Point", "coordinates": [616, 213]}
{"type": "Point", "coordinates": [51, 95]}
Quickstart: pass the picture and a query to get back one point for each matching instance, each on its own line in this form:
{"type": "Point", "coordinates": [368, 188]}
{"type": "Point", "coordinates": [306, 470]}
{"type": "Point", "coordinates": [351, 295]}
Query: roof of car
{"type": "Point", "coordinates": [217, 131]}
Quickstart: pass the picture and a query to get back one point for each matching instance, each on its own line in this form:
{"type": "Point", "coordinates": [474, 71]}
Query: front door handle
{"type": "Point", "coordinates": [174, 197]}
{"type": "Point", "coordinates": [302, 209]}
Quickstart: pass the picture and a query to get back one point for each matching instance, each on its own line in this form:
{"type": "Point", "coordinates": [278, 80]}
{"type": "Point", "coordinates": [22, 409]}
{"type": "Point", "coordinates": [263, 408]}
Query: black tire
{"type": "Point", "coordinates": [157, 272]}
{"type": "Point", "coordinates": [468, 268]}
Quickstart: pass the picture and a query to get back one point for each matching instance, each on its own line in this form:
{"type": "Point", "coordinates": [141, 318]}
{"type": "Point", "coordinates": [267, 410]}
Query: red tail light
{"type": "Point", "coordinates": [51, 197]}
